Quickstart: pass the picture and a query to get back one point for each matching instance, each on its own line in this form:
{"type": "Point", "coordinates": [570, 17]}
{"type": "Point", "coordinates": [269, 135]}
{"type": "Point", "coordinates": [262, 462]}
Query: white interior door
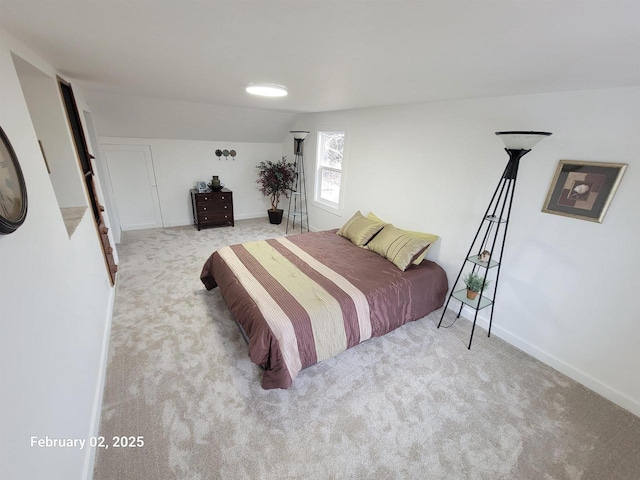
{"type": "Point", "coordinates": [133, 181]}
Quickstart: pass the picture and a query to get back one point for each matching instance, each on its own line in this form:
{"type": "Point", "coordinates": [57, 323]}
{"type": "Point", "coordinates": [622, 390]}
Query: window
{"type": "Point", "coordinates": [329, 169]}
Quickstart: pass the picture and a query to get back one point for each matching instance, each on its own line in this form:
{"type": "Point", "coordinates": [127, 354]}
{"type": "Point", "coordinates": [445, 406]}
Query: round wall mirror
{"type": "Point", "coordinates": [13, 191]}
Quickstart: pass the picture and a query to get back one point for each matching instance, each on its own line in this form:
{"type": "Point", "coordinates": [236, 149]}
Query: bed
{"type": "Point", "coordinates": [304, 298]}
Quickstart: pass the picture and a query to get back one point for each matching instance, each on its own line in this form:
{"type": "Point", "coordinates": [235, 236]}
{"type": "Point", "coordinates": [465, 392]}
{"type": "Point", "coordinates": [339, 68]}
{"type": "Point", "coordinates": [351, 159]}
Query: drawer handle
{"type": "Point", "coordinates": [222, 198]}
{"type": "Point", "coordinates": [206, 198]}
{"type": "Point", "coordinates": [225, 206]}
{"type": "Point", "coordinates": [204, 208]}
{"type": "Point", "coordinates": [206, 218]}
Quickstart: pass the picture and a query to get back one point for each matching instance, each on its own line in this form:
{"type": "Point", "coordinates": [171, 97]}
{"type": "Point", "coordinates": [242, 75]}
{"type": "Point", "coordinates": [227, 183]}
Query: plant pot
{"type": "Point", "coordinates": [471, 295]}
{"type": "Point", "coordinates": [275, 216]}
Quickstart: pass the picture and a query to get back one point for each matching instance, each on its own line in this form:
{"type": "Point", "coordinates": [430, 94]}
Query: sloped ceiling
{"type": "Point", "coordinates": [332, 55]}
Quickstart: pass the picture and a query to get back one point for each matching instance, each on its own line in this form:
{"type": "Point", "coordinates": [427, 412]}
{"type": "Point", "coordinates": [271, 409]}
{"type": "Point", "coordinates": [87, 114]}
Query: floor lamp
{"type": "Point", "coordinates": [298, 193]}
{"type": "Point", "coordinates": [494, 224]}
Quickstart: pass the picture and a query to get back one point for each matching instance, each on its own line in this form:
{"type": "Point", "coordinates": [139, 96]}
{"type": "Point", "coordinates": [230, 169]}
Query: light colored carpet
{"type": "Point", "coordinates": [415, 404]}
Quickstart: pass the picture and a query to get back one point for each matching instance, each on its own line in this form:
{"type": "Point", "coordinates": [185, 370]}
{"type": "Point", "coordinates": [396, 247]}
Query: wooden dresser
{"type": "Point", "coordinates": [212, 209]}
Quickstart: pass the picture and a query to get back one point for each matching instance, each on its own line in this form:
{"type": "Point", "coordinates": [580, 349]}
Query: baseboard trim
{"type": "Point", "coordinates": [94, 428]}
{"type": "Point", "coordinates": [570, 371]}
{"type": "Point", "coordinates": [242, 216]}
{"type": "Point", "coordinates": [249, 216]}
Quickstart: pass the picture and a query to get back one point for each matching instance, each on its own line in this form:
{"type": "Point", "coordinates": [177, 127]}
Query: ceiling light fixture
{"type": "Point", "coordinates": [266, 90]}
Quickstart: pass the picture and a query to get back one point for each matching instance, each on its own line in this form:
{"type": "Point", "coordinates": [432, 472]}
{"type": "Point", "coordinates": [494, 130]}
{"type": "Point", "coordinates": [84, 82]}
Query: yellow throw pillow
{"type": "Point", "coordinates": [373, 216]}
{"type": "Point", "coordinates": [399, 247]}
{"type": "Point", "coordinates": [427, 236]}
{"type": "Point", "coordinates": [360, 229]}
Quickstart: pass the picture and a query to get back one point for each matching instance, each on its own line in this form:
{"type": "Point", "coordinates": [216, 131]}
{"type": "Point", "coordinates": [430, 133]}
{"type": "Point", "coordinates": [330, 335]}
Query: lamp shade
{"type": "Point", "coordinates": [299, 134]}
{"type": "Point", "coordinates": [521, 140]}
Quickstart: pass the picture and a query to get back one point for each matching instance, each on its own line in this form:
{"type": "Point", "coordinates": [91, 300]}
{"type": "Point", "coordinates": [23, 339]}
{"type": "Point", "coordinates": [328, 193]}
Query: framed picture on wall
{"type": "Point", "coordinates": [583, 190]}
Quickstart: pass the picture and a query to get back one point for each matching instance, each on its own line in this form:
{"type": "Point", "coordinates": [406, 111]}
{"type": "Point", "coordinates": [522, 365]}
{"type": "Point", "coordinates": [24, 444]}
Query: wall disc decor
{"type": "Point", "coordinates": [13, 191]}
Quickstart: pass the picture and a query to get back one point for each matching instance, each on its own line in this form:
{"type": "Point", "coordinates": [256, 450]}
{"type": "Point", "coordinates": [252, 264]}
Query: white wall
{"type": "Point", "coordinates": [55, 306]}
{"type": "Point", "coordinates": [567, 289]}
{"type": "Point", "coordinates": [179, 164]}
{"type": "Point", "coordinates": [144, 117]}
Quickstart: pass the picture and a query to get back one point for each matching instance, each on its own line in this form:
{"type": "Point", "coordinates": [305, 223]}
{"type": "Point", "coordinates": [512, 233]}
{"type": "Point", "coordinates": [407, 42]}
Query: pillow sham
{"type": "Point", "coordinates": [373, 216]}
{"type": "Point", "coordinates": [430, 238]}
{"type": "Point", "coordinates": [360, 229]}
{"type": "Point", "coordinates": [427, 236]}
{"type": "Point", "coordinates": [399, 247]}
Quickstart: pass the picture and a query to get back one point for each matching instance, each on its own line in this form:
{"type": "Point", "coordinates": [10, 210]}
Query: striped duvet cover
{"type": "Point", "coordinates": [305, 298]}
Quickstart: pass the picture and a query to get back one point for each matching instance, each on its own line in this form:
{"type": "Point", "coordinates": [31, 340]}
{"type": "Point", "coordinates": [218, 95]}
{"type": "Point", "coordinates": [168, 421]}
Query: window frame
{"type": "Point", "coordinates": [327, 205]}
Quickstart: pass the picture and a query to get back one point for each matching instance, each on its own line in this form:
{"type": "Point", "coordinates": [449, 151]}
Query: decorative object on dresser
{"type": "Point", "coordinates": [517, 144]}
{"type": "Point", "coordinates": [274, 179]}
{"type": "Point", "coordinates": [216, 185]}
{"type": "Point", "coordinates": [212, 209]}
{"type": "Point", "coordinates": [202, 187]}
{"type": "Point", "coordinates": [583, 190]}
{"type": "Point", "coordinates": [298, 197]}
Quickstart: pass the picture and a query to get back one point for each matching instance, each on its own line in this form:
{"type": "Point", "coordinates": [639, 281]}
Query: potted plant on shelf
{"type": "Point", "coordinates": [275, 179]}
{"type": "Point", "coordinates": [475, 284]}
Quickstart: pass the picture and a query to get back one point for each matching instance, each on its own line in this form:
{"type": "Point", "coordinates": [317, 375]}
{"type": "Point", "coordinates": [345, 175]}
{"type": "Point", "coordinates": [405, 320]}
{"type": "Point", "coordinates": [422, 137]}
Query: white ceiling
{"type": "Point", "coordinates": [332, 55]}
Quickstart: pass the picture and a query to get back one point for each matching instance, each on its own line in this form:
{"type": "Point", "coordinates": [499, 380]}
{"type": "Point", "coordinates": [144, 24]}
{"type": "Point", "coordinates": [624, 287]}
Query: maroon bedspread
{"type": "Point", "coordinates": [271, 289]}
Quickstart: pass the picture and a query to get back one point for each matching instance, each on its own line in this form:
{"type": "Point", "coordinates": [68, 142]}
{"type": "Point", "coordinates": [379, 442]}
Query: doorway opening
{"type": "Point", "coordinates": [48, 118]}
{"type": "Point", "coordinates": [84, 157]}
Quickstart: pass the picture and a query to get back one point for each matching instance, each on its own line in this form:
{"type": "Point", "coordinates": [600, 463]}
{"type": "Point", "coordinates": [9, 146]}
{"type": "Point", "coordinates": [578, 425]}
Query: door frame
{"type": "Point", "coordinates": [151, 173]}
{"type": "Point", "coordinates": [84, 158]}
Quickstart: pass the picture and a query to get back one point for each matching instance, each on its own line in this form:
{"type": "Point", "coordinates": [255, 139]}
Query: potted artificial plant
{"type": "Point", "coordinates": [275, 179]}
{"type": "Point", "coordinates": [475, 284]}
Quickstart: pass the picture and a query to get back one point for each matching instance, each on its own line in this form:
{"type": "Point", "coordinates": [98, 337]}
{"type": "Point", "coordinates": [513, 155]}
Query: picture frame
{"type": "Point", "coordinates": [202, 187]}
{"type": "Point", "coordinates": [583, 190]}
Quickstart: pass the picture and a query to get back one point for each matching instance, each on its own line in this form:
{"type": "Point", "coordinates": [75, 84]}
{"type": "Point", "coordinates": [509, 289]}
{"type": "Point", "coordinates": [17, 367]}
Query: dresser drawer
{"type": "Point", "coordinates": [214, 198]}
{"type": "Point", "coordinates": [213, 207]}
{"type": "Point", "coordinates": [215, 218]}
